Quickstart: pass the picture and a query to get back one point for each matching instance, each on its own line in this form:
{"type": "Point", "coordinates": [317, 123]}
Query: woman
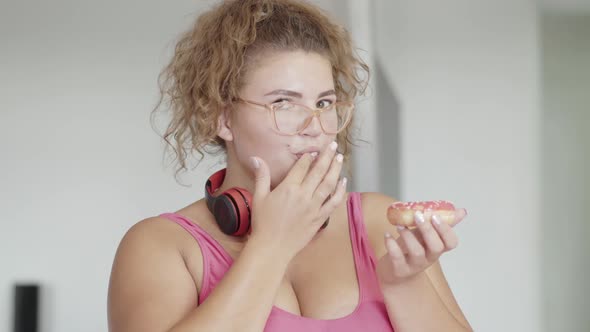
{"type": "Point", "coordinates": [271, 84]}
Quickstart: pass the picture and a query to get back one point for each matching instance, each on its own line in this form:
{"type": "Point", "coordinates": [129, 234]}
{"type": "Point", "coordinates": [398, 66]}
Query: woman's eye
{"type": "Point", "coordinates": [324, 103]}
{"type": "Point", "coordinates": [282, 104]}
{"type": "Point", "coordinates": [281, 101]}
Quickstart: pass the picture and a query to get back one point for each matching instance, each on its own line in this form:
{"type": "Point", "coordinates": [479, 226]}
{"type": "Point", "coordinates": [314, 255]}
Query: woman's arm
{"type": "Point", "coordinates": [151, 289]}
{"type": "Point", "coordinates": [424, 302]}
{"type": "Point", "coordinates": [416, 305]}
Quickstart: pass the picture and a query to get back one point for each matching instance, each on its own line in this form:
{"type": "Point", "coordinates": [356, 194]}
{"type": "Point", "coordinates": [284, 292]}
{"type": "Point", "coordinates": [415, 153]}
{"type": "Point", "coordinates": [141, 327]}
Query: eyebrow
{"type": "Point", "coordinates": [297, 94]}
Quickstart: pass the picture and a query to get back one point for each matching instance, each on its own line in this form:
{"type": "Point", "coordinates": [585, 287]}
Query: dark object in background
{"type": "Point", "coordinates": [26, 307]}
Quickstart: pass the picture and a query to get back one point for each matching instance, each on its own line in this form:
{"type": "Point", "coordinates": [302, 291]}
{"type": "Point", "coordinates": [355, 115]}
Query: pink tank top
{"type": "Point", "coordinates": [370, 313]}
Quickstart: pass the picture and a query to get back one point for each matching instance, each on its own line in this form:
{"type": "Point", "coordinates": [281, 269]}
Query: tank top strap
{"type": "Point", "coordinates": [216, 260]}
{"type": "Point", "coordinates": [364, 254]}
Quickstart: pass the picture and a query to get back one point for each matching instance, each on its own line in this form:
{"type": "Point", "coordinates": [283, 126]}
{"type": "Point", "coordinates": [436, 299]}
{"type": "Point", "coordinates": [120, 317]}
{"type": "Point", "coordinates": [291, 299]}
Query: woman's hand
{"type": "Point", "coordinates": [417, 249]}
{"type": "Point", "coordinates": [287, 218]}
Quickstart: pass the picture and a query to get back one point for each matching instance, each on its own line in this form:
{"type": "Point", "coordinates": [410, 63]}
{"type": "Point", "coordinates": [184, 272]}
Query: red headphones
{"type": "Point", "coordinates": [232, 208]}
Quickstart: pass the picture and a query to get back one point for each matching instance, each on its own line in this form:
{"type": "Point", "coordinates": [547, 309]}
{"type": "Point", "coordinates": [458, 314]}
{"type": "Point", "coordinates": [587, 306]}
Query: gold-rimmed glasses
{"type": "Point", "coordinates": [292, 118]}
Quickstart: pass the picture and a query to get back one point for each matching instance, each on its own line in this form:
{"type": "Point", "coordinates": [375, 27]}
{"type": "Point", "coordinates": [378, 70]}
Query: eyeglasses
{"type": "Point", "coordinates": [292, 118]}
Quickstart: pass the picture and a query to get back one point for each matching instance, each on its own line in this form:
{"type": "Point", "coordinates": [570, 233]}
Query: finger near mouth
{"type": "Point", "coordinates": [299, 155]}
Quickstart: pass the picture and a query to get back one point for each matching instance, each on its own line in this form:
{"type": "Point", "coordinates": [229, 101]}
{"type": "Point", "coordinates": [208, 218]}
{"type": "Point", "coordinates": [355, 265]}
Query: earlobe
{"type": "Point", "coordinates": [224, 126]}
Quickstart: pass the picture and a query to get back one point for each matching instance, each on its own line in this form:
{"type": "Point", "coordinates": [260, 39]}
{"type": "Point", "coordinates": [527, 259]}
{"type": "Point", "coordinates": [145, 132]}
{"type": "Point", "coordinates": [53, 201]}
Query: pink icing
{"type": "Point", "coordinates": [424, 205]}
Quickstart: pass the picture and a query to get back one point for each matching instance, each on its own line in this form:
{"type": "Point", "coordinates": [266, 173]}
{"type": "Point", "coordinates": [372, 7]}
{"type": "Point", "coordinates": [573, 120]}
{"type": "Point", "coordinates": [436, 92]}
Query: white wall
{"type": "Point", "coordinates": [566, 161]}
{"type": "Point", "coordinates": [465, 74]}
{"type": "Point", "coordinates": [565, 6]}
{"type": "Point", "coordinates": [80, 162]}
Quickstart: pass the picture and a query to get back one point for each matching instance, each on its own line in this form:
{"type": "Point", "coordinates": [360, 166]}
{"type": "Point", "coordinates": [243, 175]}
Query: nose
{"type": "Point", "coordinates": [313, 128]}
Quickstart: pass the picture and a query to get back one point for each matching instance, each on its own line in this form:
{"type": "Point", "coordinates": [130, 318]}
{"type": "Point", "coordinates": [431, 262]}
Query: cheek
{"type": "Point", "coordinates": [257, 139]}
{"type": "Point", "coordinates": [274, 150]}
{"type": "Point", "coordinates": [250, 132]}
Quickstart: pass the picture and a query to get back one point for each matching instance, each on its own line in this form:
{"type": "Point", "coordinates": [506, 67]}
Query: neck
{"type": "Point", "coordinates": [236, 175]}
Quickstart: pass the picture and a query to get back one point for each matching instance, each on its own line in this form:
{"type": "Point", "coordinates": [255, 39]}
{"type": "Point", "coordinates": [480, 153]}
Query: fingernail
{"type": "Point", "coordinates": [460, 214]}
{"type": "Point", "coordinates": [464, 212]}
{"type": "Point", "coordinates": [255, 162]}
{"type": "Point", "coordinates": [400, 228]}
{"type": "Point", "coordinates": [388, 235]}
{"type": "Point", "coordinates": [436, 219]}
{"type": "Point", "coordinates": [314, 154]}
{"type": "Point", "coordinates": [419, 217]}
{"type": "Point", "coordinates": [339, 158]}
{"type": "Point", "coordinates": [344, 180]}
{"type": "Point", "coordinates": [333, 145]}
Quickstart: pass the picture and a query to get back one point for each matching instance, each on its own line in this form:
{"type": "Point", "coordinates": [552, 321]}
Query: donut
{"type": "Point", "coordinates": [402, 213]}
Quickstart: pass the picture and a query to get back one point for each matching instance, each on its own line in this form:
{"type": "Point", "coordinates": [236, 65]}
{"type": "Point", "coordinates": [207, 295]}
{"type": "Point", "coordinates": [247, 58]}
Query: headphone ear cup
{"type": "Point", "coordinates": [232, 208]}
{"type": "Point", "coordinates": [225, 214]}
{"type": "Point", "coordinates": [232, 211]}
{"type": "Point", "coordinates": [245, 211]}
{"type": "Point", "coordinates": [241, 199]}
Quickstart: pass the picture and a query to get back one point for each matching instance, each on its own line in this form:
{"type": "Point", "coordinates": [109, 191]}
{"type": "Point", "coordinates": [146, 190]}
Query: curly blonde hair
{"type": "Point", "coordinates": [205, 73]}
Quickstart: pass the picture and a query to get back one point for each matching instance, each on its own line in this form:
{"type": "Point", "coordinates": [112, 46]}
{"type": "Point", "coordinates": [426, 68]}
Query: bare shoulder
{"type": "Point", "coordinates": [155, 229]}
{"type": "Point", "coordinates": [150, 287]}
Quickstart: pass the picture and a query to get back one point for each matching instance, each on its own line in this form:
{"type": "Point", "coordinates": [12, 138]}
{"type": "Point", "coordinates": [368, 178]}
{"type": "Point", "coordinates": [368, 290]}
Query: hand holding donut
{"type": "Point", "coordinates": [402, 213]}
{"type": "Point", "coordinates": [425, 230]}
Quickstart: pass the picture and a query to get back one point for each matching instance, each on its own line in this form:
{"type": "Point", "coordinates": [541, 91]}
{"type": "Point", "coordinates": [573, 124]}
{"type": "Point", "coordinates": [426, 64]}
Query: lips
{"type": "Point", "coordinates": [300, 153]}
